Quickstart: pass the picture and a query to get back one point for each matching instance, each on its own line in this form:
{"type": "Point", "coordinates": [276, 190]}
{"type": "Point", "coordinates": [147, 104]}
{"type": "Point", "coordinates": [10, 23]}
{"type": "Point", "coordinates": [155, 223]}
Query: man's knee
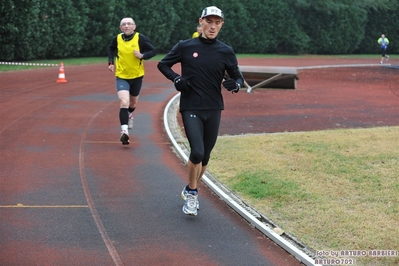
{"type": "Point", "coordinates": [133, 101]}
{"type": "Point", "coordinates": [124, 103]}
{"type": "Point", "coordinates": [196, 157]}
{"type": "Point", "coordinates": [205, 160]}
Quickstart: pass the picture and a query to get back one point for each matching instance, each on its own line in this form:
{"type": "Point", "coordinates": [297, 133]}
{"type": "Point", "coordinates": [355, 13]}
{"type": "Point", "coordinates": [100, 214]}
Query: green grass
{"type": "Point", "coordinates": [67, 61]}
{"type": "Point", "coordinates": [104, 60]}
{"type": "Point", "coordinates": [333, 189]}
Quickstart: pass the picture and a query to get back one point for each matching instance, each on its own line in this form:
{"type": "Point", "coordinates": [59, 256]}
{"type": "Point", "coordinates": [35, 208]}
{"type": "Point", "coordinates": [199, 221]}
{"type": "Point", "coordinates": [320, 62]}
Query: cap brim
{"type": "Point", "coordinates": [212, 15]}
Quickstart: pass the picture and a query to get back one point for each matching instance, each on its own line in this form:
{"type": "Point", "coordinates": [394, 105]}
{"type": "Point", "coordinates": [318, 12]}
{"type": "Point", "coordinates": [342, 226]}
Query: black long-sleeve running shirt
{"type": "Point", "coordinates": [204, 63]}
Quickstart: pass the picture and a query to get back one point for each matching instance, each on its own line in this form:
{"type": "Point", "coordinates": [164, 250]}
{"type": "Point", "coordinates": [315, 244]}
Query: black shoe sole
{"type": "Point", "coordinates": [125, 139]}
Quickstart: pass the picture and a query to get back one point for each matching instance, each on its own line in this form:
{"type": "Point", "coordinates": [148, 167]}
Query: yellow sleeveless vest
{"type": "Point", "coordinates": [127, 65]}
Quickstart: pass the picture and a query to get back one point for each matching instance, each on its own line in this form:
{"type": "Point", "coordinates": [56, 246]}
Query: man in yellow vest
{"type": "Point", "coordinates": [125, 57]}
{"type": "Point", "coordinates": [198, 32]}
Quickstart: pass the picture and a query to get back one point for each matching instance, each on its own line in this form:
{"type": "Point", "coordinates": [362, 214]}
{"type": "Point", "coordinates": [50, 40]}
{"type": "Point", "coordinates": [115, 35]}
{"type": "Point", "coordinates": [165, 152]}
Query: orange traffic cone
{"type": "Point", "coordinates": [61, 75]}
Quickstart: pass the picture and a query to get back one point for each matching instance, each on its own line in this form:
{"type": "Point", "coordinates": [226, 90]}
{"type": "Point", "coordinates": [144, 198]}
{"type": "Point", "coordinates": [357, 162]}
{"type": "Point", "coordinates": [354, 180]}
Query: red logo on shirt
{"type": "Point", "coordinates": [195, 54]}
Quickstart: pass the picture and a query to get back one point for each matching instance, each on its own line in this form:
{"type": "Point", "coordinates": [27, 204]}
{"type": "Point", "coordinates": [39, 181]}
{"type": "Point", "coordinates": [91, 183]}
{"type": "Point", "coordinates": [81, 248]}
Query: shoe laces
{"type": "Point", "coordinates": [191, 199]}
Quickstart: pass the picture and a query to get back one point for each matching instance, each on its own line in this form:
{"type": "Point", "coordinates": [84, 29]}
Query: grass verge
{"type": "Point", "coordinates": [66, 61]}
{"type": "Point", "coordinates": [103, 60]}
{"type": "Point", "coordinates": [333, 190]}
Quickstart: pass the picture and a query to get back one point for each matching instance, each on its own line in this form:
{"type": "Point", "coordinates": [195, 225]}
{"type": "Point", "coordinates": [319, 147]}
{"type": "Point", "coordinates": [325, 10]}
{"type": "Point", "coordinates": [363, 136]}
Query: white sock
{"type": "Point", "coordinates": [124, 128]}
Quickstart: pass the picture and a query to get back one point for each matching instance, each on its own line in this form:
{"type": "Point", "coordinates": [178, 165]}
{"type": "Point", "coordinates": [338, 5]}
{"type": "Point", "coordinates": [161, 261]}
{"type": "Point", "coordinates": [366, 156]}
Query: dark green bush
{"type": "Point", "coordinates": [47, 29]}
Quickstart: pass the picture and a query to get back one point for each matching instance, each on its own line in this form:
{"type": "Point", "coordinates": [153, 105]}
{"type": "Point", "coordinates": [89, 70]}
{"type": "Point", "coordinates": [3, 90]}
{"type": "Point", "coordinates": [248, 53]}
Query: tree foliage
{"type": "Point", "coordinates": [40, 29]}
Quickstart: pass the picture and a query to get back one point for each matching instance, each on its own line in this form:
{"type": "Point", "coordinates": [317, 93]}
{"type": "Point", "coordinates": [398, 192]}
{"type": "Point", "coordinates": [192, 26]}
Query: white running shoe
{"type": "Point", "coordinates": [190, 206]}
{"type": "Point", "coordinates": [387, 57]}
{"type": "Point", "coordinates": [130, 121]}
{"type": "Point", "coordinates": [380, 62]}
{"type": "Point", "coordinates": [184, 193]}
{"type": "Point", "coordinates": [124, 137]}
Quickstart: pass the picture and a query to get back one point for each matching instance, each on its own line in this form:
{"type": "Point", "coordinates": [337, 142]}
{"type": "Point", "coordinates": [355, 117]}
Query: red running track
{"type": "Point", "coordinates": [71, 194]}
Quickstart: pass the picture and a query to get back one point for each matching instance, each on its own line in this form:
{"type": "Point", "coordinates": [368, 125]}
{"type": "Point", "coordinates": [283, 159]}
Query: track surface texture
{"type": "Point", "coordinates": [71, 194]}
{"type": "Point", "coordinates": [325, 98]}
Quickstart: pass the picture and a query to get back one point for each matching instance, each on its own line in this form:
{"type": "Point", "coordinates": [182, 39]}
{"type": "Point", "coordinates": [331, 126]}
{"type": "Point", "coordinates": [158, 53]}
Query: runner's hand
{"type": "Point", "coordinates": [181, 84]}
{"type": "Point", "coordinates": [231, 85]}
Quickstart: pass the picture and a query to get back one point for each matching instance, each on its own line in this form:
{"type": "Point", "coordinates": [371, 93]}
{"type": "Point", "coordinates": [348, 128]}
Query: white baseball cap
{"type": "Point", "coordinates": [212, 11]}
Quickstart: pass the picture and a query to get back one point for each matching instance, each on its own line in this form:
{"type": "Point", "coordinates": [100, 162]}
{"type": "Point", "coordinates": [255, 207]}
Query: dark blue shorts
{"type": "Point", "coordinates": [131, 85]}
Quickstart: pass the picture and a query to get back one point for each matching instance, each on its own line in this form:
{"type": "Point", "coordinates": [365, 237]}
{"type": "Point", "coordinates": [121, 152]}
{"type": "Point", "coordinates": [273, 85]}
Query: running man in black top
{"type": "Point", "coordinates": [204, 62]}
